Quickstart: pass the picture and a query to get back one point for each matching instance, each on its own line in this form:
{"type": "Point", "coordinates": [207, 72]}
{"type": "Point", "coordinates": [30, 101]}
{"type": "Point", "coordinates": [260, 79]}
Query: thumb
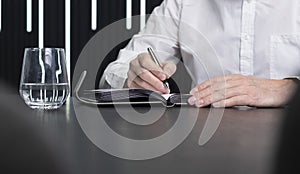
{"type": "Point", "coordinates": [169, 68]}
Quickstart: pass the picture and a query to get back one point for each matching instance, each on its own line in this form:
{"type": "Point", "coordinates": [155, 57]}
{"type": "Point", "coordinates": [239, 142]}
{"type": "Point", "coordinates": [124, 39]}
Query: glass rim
{"type": "Point", "coordinates": [44, 48]}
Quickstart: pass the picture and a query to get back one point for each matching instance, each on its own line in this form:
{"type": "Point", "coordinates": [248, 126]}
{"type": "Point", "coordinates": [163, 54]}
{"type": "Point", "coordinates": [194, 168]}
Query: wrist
{"type": "Point", "coordinates": [287, 90]}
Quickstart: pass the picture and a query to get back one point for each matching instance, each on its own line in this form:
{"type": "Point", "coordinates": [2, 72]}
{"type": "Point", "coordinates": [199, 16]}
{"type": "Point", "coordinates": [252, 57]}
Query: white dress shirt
{"type": "Point", "coordinates": [219, 37]}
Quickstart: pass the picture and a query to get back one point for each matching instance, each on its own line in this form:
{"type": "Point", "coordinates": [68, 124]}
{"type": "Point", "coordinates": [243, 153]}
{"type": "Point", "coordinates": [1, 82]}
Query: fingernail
{"type": "Point", "coordinates": [199, 103]}
{"type": "Point", "coordinates": [216, 105]}
{"type": "Point", "coordinates": [163, 88]}
{"type": "Point", "coordinates": [162, 76]}
{"type": "Point", "coordinates": [192, 100]}
{"type": "Point", "coordinates": [194, 91]}
{"type": "Point", "coordinates": [168, 71]}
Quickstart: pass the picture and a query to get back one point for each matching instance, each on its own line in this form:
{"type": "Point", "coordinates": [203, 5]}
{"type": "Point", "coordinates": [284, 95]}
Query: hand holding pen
{"type": "Point", "coordinates": [147, 72]}
{"type": "Point", "coordinates": [153, 56]}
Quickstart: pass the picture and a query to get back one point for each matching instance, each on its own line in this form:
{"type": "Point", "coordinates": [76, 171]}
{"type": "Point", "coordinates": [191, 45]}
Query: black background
{"type": "Point", "coordinates": [14, 37]}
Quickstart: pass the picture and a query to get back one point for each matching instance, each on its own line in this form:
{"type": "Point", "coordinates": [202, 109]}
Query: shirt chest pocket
{"type": "Point", "coordinates": [285, 56]}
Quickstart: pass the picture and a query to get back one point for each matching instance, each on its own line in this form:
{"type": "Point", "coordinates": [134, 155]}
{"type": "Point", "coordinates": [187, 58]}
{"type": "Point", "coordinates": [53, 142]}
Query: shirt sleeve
{"type": "Point", "coordinates": [160, 33]}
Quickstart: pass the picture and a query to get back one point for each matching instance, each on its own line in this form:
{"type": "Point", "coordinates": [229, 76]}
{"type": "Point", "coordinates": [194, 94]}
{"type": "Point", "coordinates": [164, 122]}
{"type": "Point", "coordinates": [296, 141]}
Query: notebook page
{"type": "Point", "coordinates": [166, 96]}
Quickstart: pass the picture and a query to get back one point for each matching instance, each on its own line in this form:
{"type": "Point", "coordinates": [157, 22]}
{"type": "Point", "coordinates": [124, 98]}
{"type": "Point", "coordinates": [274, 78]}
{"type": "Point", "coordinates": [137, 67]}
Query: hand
{"type": "Point", "coordinates": [145, 73]}
{"type": "Point", "coordinates": [235, 90]}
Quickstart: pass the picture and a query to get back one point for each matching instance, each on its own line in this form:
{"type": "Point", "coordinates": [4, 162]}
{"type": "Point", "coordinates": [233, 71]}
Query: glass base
{"type": "Point", "coordinates": [44, 106]}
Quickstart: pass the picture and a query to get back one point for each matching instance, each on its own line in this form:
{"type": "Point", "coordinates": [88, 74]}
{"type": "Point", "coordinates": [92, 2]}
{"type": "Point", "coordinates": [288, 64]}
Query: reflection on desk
{"type": "Point", "coordinates": [24, 148]}
{"type": "Point", "coordinates": [243, 143]}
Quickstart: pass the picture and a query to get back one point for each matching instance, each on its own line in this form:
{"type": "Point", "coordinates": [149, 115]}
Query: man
{"type": "Point", "coordinates": [257, 44]}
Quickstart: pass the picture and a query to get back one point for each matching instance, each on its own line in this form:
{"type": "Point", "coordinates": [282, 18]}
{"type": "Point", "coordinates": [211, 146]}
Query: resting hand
{"type": "Point", "coordinates": [145, 73]}
{"type": "Point", "coordinates": [235, 90]}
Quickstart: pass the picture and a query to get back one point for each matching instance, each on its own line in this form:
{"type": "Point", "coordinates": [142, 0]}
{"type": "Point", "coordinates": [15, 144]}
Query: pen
{"type": "Point", "coordinates": [153, 56]}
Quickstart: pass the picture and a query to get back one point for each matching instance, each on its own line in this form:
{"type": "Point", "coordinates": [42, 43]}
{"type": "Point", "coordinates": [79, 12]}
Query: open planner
{"type": "Point", "coordinates": [133, 96]}
{"type": "Point", "coordinates": [127, 96]}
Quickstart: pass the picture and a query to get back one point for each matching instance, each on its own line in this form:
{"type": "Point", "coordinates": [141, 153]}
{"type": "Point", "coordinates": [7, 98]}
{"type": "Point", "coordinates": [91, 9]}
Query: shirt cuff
{"type": "Point", "coordinates": [116, 80]}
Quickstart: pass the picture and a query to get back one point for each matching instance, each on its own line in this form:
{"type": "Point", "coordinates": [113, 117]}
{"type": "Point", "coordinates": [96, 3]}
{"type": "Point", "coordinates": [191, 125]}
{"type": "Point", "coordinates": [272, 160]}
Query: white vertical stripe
{"type": "Point", "coordinates": [68, 37]}
{"type": "Point", "coordinates": [128, 14]}
{"type": "Point", "coordinates": [143, 14]}
{"type": "Point", "coordinates": [41, 23]}
{"type": "Point", "coordinates": [41, 62]}
{"type": "Point", "coordinates": [29, 16]}
{"type": "Point", "coordinates": [94, 14]}
{"type": "Point", "coordinates": [0, 15]}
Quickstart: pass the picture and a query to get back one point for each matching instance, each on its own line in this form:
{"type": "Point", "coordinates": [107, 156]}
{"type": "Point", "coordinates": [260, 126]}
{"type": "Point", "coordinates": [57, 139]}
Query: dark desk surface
{"type": "Point", "coordinates": [244, 142]}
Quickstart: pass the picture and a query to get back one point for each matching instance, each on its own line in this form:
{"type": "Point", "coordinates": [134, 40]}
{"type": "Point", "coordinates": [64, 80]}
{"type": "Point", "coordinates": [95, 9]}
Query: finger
{"type": "Point", "coordinates": [192, 100]}
{"type": "Point", "coordinates": [233, 101]}
{"type": "Point", "coordinates": [201, 103]}
{"type": "Point", "coordinates": [169, 68]}
{"type": "Point", "coordinates": [207, 99]}
{"type": "Point", "coordinates": [148, 77]}
{"type": "Point", "coordinates": [133, 84]}
{"type": "Point", "coordinates": [146, 62]}
{"type": "Point", "coordinates": [197, 102]}
{"type": "Point", "coordinates": [145, 85]}
{"type": "Point", "coordinates": [131, 80]}
{"type": "Point", "coordinates": [220, 82]}
{"type": "Point", "coordinates": [144, 74]}
{"type": "Point", "coordinates": [220, 88]}
{"type": "Point", "coordinates": [147, 80]}
{"type": "Point", "coordinates": [237, 85]}
{"type": "Point", "coordinates": [229, 93]}
{"type": "Point", "coordinates": [203, 98]}
{"type": "Point", "coordinates": [135, 69]}
{"type": "Point", "coordinates": [206, 84]}
{"type": "Point", "coordinates": [235, 77]}
{"type": "Point", "coordinates": [132, 77]}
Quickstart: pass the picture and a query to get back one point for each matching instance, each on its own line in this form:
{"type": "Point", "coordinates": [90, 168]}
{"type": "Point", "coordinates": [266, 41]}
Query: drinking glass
{"type": "Point", "coordinates": [44, 81]}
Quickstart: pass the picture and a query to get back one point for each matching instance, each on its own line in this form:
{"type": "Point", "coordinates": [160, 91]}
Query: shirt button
{"type": "Point", "coordinates": [247, 37]}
